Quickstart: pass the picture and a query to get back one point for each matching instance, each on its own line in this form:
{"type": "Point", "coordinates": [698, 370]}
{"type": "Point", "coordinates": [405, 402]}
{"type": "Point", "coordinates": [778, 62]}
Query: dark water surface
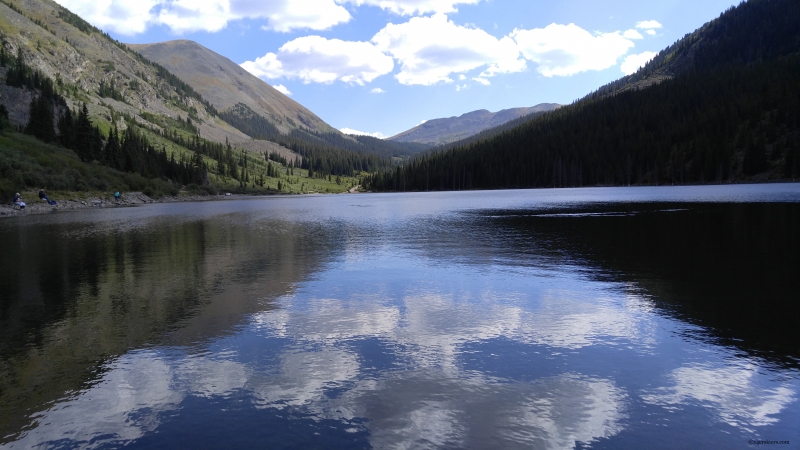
{"type": "Point", "coordinates": [574, 318]}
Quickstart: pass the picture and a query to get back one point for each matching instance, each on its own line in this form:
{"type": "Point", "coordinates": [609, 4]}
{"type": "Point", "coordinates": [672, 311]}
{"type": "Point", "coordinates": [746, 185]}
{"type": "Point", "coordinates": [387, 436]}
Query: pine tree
{"type": "Point", "coordinates": [4, 121]}
{"type": "Point", "coordinates": [84, 135]}
{"type": "Point", "coordinates": [112, 150]}
{"type": "Point", "coordinates": [40, 123]}
{"type": "Point", "coordinates": [66, 129]}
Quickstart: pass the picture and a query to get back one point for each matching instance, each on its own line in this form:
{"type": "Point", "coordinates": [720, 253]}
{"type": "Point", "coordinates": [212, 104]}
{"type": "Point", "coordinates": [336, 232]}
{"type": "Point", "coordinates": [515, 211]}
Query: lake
{"type": "Point", "coordinates": [642, 317]}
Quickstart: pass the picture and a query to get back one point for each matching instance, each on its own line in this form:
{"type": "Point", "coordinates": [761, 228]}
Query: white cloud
{"type": "Point", "coordinates": [648, 25]}
{"type": "Point", "coordinates": [563, 50]}
{"type": "Point", "coordinates": [320, 60]}
{"type": "Point", "coordinates": [282, 89]}
{"type": "Point", "coordinates": [430, 49]}
{"type": "Point", "coordinates": [651, 32]}
{"type": "Point", "coordinates": [286, 15]}
{"type": "Point", "coordinates": [377, 91]}
{"type": "Point", "coordinates": [482, 81]}
{"type": "Point", "coordinates": [633, 62]}
{"type": "Point", "coordinates": [351, 131]}
{"type": "Point", "coordinates": [131, 17]}
{"type": "Point", "coordinates": [632, 34]}
{"type": "Point", "coordinates": [411, 7]}
{"type": "Point", "coordinates": [122, 16]}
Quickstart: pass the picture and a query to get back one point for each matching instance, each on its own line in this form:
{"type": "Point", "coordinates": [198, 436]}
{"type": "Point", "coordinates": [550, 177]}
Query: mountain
{"type": "Point", "coordinates": [718, 106]}
{"type": "Point", "coordinates": [101, 116]}
{"type": "Point", "coordinates": [258, 110]}
{"type": "Point", "coordinates": [228, 86]}
{"type": "Point", "coordinates": [81, 59]}
{"type": "Point", "coordinates": [755, 31]}
{"type": "Point", "coordinates": [445, 131]}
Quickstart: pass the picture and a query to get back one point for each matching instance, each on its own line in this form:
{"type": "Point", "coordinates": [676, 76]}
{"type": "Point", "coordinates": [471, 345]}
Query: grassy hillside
{"type": "Point", "coordinates": [725, 111]}
{"type": "Point", "coordinates": [27, 163]}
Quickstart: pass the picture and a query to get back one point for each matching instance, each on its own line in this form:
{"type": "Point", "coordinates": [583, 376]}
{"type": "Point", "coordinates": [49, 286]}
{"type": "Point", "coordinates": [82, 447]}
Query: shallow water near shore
{"type": "Point", "coordinates": [652, 317]}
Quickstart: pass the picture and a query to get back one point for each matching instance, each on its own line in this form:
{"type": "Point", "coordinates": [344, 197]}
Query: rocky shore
{"type": "Point", "coordinates": [36, 206]}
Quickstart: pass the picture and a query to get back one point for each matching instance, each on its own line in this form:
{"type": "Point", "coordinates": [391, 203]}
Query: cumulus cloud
{"type": "Point", "coordinates": [633, 62]}
{"type": "Point", "coordinates": [431, 49]}
{"type": "Point", "coordinates": [282, 89]}
{"type": "Point", "coordinates": [122, 16]}
{"type": "Point", "coordinates": [131, 17]}
{"type": "Point", "coordinates": [482, 81]}
{"type": "Point", "coordinates": [377, 91]}
{"type": "Point", "coordinates": [648, 25]}
{"type": "Point", "coordinates": [351, 131]}
{"type": "Point", "coordinates": [563, 50]}
{"type": "Point", "coordinates": [320, 60]}
{"type": "Point", "coordinates": [632, 34]}
{"type": "Point", "coordinates": [411, 7]}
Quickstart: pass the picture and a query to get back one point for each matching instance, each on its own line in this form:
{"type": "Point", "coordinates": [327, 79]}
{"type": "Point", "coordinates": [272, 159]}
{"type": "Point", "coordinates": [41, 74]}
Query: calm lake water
{"type": "Point", "coordinates": [576, 318]}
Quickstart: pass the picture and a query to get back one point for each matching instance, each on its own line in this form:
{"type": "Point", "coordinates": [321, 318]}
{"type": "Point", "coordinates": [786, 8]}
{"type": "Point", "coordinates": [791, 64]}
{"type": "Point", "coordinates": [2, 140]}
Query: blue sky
{"type": "Point", "coordinates": [384, 66]}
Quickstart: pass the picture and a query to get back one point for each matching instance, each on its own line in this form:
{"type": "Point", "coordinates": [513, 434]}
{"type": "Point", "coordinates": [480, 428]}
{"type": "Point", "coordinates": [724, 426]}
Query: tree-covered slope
{"type": "Point", "coordinates": [726, 112]}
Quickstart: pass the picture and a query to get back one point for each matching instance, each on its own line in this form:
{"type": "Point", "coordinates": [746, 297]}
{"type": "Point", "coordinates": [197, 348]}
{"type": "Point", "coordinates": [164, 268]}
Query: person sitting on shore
{"type": "Point", "coordinates": [18, 201]}
{"type": "Point", "coordinates": [43, 196]}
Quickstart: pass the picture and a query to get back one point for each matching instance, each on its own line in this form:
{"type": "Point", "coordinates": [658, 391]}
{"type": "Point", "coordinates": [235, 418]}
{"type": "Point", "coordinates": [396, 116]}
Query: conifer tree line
{"type": "Point", "coordinates": [731, 114]}
{"type": "Point", "coordinates": [53, 122]}
{"type": "Point", "coordinates": [716, 126]}
{"type": "Point", "coordinates": [323, 153]}
{"type": "Point", "coordinates": [126, 152]}
{"type": "Point", "coordinates": [319, 156]}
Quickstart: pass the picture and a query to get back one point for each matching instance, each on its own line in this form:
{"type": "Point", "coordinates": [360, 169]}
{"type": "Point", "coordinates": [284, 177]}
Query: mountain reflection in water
{"type": "Point", "coordinates": [605, 318]}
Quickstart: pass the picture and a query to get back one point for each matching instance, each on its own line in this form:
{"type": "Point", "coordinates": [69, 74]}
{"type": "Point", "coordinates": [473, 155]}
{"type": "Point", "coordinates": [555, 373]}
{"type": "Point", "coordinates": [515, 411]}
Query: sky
{"type": "Point", "coordinates": [381, 67]}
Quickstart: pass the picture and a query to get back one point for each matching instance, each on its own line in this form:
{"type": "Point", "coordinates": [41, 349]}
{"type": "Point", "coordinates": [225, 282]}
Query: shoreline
{"type": "Point", "coordinates": [38, 206]}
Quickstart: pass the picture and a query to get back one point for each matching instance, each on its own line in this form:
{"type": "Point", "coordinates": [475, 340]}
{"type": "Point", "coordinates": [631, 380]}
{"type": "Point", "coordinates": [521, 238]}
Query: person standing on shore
{"type": "Point", "coordinates": [18, 201]}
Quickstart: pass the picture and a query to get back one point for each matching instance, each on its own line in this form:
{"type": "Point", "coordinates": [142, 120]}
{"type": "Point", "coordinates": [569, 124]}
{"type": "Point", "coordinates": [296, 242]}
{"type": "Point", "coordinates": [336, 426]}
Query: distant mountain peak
{"type": "Point", "coordinates": [447, 130]}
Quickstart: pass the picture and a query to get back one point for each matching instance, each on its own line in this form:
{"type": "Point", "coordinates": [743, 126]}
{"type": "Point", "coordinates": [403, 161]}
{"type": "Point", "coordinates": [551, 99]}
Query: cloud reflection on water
{"type": "Point", "coordinates": [734, 393]}
{"type": "Point", "coordinates": [433, 319]}
{"type": "Point", "coordinates": [123, 405]}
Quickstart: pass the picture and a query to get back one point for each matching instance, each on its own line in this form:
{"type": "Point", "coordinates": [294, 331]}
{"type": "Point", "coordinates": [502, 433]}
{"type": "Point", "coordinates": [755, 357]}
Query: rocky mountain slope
{"type": "Point", "coordinates": [82, 58]}
{"type": "Point", "coordinates": [225, 84]}
{"type": "Point", "coordinates": [447, 130]}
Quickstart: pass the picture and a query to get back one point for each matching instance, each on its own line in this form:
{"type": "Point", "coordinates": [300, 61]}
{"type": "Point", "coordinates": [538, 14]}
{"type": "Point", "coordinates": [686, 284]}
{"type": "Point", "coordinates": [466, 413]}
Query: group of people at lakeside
{"type": "Point", "coordinates": [19, 202]}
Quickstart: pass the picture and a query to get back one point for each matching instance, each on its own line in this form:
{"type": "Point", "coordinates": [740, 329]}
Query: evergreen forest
{"type": "Point", "coordinates": [727, 111]}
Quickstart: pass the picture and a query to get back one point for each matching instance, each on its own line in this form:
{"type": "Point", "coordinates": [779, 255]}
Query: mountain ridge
{"type": "Point", "coordinates": [447, 130]}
